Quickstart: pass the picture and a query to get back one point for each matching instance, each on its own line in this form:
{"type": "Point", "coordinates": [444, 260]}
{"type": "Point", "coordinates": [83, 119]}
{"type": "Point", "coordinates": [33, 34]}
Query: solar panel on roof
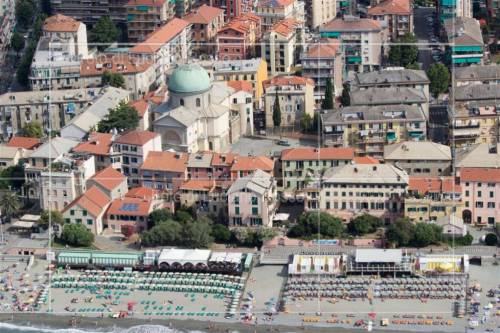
{"type": "Point", "coordinates": [129, 207]}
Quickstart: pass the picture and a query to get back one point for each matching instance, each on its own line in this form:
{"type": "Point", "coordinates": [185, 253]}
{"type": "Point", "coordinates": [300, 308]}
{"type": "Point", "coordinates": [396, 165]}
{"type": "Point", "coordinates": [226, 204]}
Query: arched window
{"type": "Point", "coordinates": [181, 101]}
{"type": "Point", "coordinates": [198, 102]}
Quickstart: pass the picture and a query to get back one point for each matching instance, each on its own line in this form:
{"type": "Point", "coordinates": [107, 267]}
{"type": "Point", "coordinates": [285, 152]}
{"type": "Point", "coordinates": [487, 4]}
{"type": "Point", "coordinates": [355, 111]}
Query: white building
{"type": "Point", "coordinates": [68, 28]}
{"type": "Point", "coordinates": [317, 264]}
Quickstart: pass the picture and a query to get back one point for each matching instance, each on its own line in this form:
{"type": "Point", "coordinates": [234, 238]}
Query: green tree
{"type": "Point", "coordinates": [77, 235]}
{"type": "Point", "coordinates": [425, 234]}
{"type": "Point", "coordinates": [317, 225]}
{"type": "Point", "coordinates": [166, 233]}
{"type": "Point", "coordinates": [400, 233]}
{"type": "Point", "coordinates": [104, 33]}
{"type": "Point", "coordinates": [221, 233]}
{"type": "Point", "coordinates": [345, 98]}
{"type": "Point", "coordinates": [276, 111]}
{"type": "Point", "coordinates": [440, 79]}
{"type": "Point", "coordinates": [25, 9]}
{"type": "Point", "coordinates": [122, 117]}
{"type": "Point", "coordinates": [9, 204]}
{"type": "Point", "coordinates": [23, 70]}
{"type": "Point", "coordinates": [50, 217]}
{"type": "Point", "coordinates": [491, 239]}
{"type": "Point", "coordinates": [17, 42]}
{"type": "Point", "coordinates": [33, 130]}
{"type": "Point", "coordinates": [395, 54]}
{"type": "Point", "coordinates": [405, 51]}
{"type": "Point", "coordinates": [413, 65]}
{"type": "Point", "coordinates": [158, 216]}
{"type": "Point", "coordinates": [306, 122]}
{"type": "Point", "coordinates": [113, 79]}
{"type": "Point", "coordinates": [12, 177]}
{"type": "Point", "coordinates": [364, 224]}
{"type": "Point", "coordinates": [327, 103]}
{"type": "Point", "coordinates": [197, 234]}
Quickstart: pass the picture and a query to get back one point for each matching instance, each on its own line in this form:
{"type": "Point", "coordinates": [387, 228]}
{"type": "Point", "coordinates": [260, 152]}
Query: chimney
{"type": "Point", "coordinates": [374, 168]}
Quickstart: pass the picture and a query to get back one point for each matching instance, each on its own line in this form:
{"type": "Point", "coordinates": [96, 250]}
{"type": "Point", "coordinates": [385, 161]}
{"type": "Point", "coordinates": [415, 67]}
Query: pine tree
{"type": "Point", "coordinates": [276, 111]}
{"type": "Point", "coordinates": [327, 103]}
{"type": "Point", "coordinates": [345, 99]}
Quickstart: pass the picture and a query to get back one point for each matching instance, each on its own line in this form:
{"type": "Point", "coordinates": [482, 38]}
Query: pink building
{"type": "Point", "coordinates": [246, 165]}
{"type": "Point", "coordinates": [221, 165]}
{"type": "Point", "coordinates": [200, 166]}
{"type": "Point", "coordinates": [164, 170]}
{"type": "Point", "coordinates": [481, 195]}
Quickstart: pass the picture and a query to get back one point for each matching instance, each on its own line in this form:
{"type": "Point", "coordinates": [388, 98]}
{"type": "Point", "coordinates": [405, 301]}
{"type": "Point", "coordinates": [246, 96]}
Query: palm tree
{"type": "Point", "coordinates": [9, 204]}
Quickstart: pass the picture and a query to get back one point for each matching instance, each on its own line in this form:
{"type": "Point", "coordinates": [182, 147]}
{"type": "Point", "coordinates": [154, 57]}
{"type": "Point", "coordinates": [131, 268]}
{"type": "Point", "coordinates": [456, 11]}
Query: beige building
{"type": "Point", "coordinates": [369, 128]}
{"type": "Point", "coordinates": [319, 12]}
{"type": "Point", "coordinates": [420, 158]}
{"type": "Point", "coordinates": [354, 189]}
{"type": "Point", "coordinates": [477, 74]}
{"type": "Point", "coordinates": [395, 15]}
{"type": "Point", "coordinates": [144, 17]}
{"type": "Point", "coordinates": [252, 200]}
{"type": "Point", "coordinates": [9, 156]}
{"type": "Point", "coordinates": [205, 21]}
{"type": "Point", "coordinates": [67, 28]}
{"type": "Point", "coordinates": [273, 11]}
{"type": "Point", "coordinates": [280, 45]}
{"type": "Point", "coordinates": [296, 98]}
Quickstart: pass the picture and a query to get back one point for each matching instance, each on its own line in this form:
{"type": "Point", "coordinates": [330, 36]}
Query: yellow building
{"type": "Point", "coordinates": [251, 70]}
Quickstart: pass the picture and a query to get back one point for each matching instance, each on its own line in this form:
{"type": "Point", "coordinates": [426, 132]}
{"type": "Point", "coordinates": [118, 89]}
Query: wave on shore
{"type": "Point", "coordinates": [10, 328]}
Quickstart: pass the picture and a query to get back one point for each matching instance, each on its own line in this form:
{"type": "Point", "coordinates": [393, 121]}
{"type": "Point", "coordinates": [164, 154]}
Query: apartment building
{"type": "Point", "coordinates": [280, 45]}
{"type": "Point", "coordinates": [139, 74]}
{"type": "Point", "coordinates": [303, 166]}
{"type": "Point", "coordinates": [91, 11]}
{"type": "Point", "coordinates": [10, 156]}
{"type": "Point", "coordinates": [273, 11]}
{"type": "Point", "coordinates": [205, 21]}
{"type": "Point", "coordinates": [7, 23]}
{"type": "Point", "coordinates": [395, 15]}
{"type": "Point", "coordinates": [64, 180]}
{"type": "Point", "coordinates": [319, 12]}
{"type": "Point", "coordinates": [369, 128]}
{"type": "Point", "coordinates": [420, 158]}
{"type": "Point", "coordinates": [99, 145]}
{"type": "Point", "coordinates": [165, 46]}
{"type": "Point", "coordinates": [354, 189]}
{"type": "Point", "coordinates": [146, 16]}
{"type": "Point", "coordinates": [477, 74]}
{"type": "Point", "coordinates": [474, 119]}
{"type": "Point", "coordinates": [164, 170]}
{"type": "Point", "coordinates": [482, 155]}
{"type": "Point", "coordinates": [362, 41]}
{"type": "Point", "coordinates": [430, 199]}
{"type": "Point", "coordinates": [453, 9]}
{"type": "Point", "coordinates": [246, 165]}
{"type": "Point", "coordinates": [480, 192]}
{"type": "Point", "coordinates": [237, 39]}
{"type": "Point", "coordinates": [296, 98]}
{"type": "Point", "coordinates": [465, 41]}
{"type": "Point", "coordinates": [321, 62]}
{"type": "Point", "coordinates": [252, 200]}
{"type": "Point", "coordinates": [251, 70]}
{"type": "Point", "coordinates": [65, 28]}
{"type": "Point", "coordinates": [393, 77]}
{"type": "Point", "coordinates": [132, 148]}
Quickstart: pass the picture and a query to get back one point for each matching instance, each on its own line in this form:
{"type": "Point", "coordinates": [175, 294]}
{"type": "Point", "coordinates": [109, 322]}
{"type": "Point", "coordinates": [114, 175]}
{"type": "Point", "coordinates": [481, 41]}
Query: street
{"type": "Point", "coordinates": [422, 34]}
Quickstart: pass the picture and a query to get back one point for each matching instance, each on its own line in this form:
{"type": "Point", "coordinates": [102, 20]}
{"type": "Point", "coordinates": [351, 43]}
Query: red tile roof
{"type": "Point", "coordinates": [425, 185]}
{"type": "Point", "coordinates": [136, 207]}
{"type": "Point", "coordinates": [122, 63]}
{"type": "Point", "coordinates": [94, 201]}
{"type": "Point", "coordinates": [136, 137]}
{"type": "Point", "coordinates": [204, 15]}
{"type": "Point", "coordinates": [160, 36]}
{"type": "Point", "coordinates": [252, 163]}
{"type": "Point", "coordinates": [241, 85]}
{"type": "Point", "coordinates": [109, 178]}
{"type": "Point", "coordinates": [304, 153]}
{"type": "Point", "coordinates": [142, 192]}
{"type": "Point", "coordinates": [326, 48]}
{"type": "Point", "coordinates": [165, 161]}
{"type": "Point", "coordinates": [225, 159]}
{"type": "Point", "coordinates": [286, 27]}
{"type": "Point", "coordinates": [361, 24]}
{"type": "Point", "coordinates": [141, 106]}
{"type": "Point", "coordinates": [400, 7]}
{"type": "Point", "coordinates": [23, 142]}
{"type": "Point", "coordinates": [97, 144]}
{"type": "Point", "coordinates": [487, 175]}
{"type": "Point", "coordinates": [366, 160]}
{"type": "Point", "coordinates": [287, 81]}
{"type": "Point", "coordinates": [196, 184]}
{"type": "Point", "coordinates": [61, 23]}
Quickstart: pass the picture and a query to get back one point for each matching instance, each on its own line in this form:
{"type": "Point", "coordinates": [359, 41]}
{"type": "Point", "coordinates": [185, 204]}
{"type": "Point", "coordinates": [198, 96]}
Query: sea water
{"type": "Point", "coordinates": [10, 328]}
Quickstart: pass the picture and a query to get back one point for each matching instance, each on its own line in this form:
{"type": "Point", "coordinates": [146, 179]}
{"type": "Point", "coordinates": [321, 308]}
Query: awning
{"type": "Point", "coordinates": [281, 217]}
{"type": "Point", "coordinates": [23, 224]}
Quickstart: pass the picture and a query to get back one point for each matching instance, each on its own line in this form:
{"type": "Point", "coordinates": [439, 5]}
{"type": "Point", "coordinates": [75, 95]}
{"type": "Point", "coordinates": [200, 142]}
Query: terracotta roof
{"type": "Point", "coordinates": [141, 106]}
{"type": "Point", "coordinates": [275, 3]}
{"type": "Point", "coordinates": [94, 201]}
{"type": "Point", "coordinates": [425, 185]}
{"type": "Point", "coordinates": [285, 27]}
{"type": "Point", "coordinates": [365, 160]}
{"type": "Point", "coordinates": [400, 7]}
{"type": "Point", "coordinates": [165, 161]}
{"type": "Point", "coordinates": [241, 85]}
{"type": "Point", "coordinates": [203, 15]}
{"type": "Point", "coordinates": [122, 63]}
{"type": "Point", "coordinates": [160, 36]}
{"type": "Point", "coordinates": [23, 142]}
{"type": "Point", "coordinates": [157, 97]}
{"type": "Point", "coordinates": [109, 178]}
{"type": "Point", "coordinates": [487, 175]}
{"type": "Point", "coordinates": [326, 48]}
{"type": "Point", "coordinates": [287, 81]}
{"type": "Point", "coordinates": [242, 22]}
{"type": "Point", "coordinates": [298, 154]}
{"type": "Point", "coordinates": [142, 192]}
{"type": "Point", "coordinates": [61, 23]}
{"type": "Point", "coordinates": [152, 3]}
{"type": "Point", "coordinates": [225, 159]}
{"type": "Point", "coordinates": [352, 24]}
{"type": "Point", "coordinates": [130, 206]}
{"type": "Point", "coordinates": [249, 163]}
{"type": "Point", "coordinates": [196, 184]}
{"type": "Point", "coordinates": [97, 144]}
{"type": "Point", "coordinates": [136, 137]}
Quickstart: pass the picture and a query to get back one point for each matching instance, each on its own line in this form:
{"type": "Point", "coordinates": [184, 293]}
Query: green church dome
{"type": "Point", "coordinates": [190, 78]}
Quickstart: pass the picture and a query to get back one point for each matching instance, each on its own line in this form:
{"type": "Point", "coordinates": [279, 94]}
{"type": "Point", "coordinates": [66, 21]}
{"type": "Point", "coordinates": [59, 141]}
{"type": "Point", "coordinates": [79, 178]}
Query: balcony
{"type": "Point", "coordinates": [466, 124]}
